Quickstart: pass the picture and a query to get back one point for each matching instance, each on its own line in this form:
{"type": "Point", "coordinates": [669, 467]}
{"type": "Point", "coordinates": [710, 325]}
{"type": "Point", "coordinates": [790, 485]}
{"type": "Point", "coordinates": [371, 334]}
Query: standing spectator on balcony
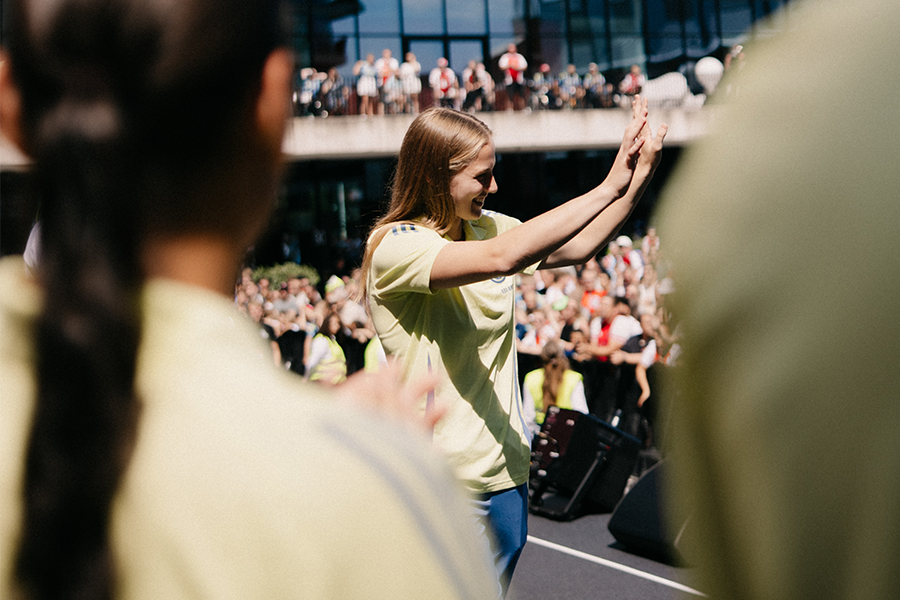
{"type": "Point", "coordinates": [541, 96]}
{"type": "Point", "coordinates": [513, 66]}
{"type": "Point", "coordinates": [487, 86]}
{"type": "Point", "coordinates": [444, 84]}
{"type": "Point", "coordinates": [411, 83]}
{"type": "Point", "coordinates": [388, 68]}
{"type": "Point", "coordinates": [366, 84]}
{"type": "Point", "coordinates": [474, 87]}
{"type": "Point", "coordinates": [633, 82]}
{"type": "Point", "coordinates": [593, 83]}
{"type": "Point", "coordinates": [571, 93]}
{"type": "Point", "coordinates": [333, 96]}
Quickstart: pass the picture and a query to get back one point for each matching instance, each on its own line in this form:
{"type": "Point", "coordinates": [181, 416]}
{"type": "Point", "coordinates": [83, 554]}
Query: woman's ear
{"type": "Point", "coordinates": [273, 107]}
{"type": "Point", "coordinates": [10, 105]}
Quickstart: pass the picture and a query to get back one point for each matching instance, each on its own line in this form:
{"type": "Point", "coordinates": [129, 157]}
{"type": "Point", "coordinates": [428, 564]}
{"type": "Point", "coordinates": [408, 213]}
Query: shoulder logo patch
{"type": "Point", "coordinates": [404, 228]}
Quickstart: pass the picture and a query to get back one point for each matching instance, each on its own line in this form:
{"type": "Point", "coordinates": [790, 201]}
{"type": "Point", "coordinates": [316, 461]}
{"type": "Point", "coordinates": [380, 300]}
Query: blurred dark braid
{"type": "Point", "coordinates": [105, 108]}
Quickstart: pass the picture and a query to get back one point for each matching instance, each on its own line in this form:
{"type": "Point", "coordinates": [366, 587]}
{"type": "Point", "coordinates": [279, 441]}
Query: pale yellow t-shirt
{"type": "Point", "coordinates": [467, 336]}
{"type": "Point", "coordinates": [245, 481]}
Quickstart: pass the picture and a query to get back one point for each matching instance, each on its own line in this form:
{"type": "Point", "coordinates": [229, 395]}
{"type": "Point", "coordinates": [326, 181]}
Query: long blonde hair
{"type": "Point", "coordinates": [555, 366]}
{"type": "Point", "coordinates": [439, 143]}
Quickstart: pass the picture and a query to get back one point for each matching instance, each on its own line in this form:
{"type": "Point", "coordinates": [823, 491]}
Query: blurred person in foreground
{"type": "Point", "coordinates": [148, 451]}
{"type": "Point", "coordinates": [785, 430]}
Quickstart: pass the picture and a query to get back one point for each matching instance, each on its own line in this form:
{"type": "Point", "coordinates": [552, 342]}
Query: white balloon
{"type": "Point", "coordinates": [708, 72]}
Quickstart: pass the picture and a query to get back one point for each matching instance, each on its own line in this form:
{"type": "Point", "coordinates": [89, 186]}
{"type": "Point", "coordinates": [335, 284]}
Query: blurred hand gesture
{"type": "Point", "coordinates": [387, 394]}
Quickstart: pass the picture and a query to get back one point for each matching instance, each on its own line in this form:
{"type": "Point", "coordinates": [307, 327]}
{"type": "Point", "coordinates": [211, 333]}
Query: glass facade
{"type": "Point", "coordinates": [656, 34]}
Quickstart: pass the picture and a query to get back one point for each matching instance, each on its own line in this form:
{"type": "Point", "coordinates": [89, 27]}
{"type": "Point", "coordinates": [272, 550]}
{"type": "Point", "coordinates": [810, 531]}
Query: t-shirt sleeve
{"type": "Point", "coordinates": [403, 260]}
{"type": "Point", "coordinates": [497, 223]}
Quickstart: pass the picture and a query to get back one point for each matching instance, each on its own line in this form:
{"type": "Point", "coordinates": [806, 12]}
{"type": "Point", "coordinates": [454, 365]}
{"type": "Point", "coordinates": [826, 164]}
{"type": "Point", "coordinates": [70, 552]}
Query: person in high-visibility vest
{"type": "Point", "coordinates": [327, 363]}
{"type": "Point", "coordinates": [554, 384]}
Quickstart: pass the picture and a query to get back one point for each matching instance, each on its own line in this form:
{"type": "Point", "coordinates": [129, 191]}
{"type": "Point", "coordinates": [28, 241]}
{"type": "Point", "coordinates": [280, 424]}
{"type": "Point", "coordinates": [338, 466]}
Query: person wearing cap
{"type": "Point", "coordinates": [631, 256]}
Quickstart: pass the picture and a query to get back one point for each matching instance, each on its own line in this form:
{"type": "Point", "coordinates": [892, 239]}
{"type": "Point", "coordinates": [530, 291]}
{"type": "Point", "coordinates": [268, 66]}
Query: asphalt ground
{"type": "Point", "coordinates": [581, 559]}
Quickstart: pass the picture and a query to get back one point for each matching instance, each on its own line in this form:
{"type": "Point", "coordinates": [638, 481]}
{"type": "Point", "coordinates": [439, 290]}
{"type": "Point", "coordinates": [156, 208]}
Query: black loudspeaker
{"type": "Point", "coordinates": [551, 443]}
{"type": "Point", "coordinates": [592, 473]}
{"type": "Point", "coordinates": [640, 524]}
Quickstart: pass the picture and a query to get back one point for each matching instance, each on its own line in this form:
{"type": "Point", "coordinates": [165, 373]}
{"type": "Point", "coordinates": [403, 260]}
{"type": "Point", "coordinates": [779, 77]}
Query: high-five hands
{"type": "Point", "coordinates": [651, 147]}
{"type": "Point", "coordinates": [640, 151]}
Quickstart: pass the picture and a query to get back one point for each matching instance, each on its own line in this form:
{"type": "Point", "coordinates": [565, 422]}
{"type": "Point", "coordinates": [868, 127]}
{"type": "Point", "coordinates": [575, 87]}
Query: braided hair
{"type": "Point", "coordinates": [131, 109]}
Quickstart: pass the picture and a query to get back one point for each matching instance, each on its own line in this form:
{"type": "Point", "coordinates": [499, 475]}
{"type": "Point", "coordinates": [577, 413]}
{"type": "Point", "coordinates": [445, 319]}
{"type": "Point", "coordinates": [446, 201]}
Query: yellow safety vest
{"type": "Point", "coordinates": [332, 369]}
{"type": "Point", "coordinates": [534, 382]}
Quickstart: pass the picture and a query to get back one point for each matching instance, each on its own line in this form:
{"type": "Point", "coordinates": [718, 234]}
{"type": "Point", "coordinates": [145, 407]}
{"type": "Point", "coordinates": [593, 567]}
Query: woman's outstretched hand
{"type": "Point", "coordinates": [639, 153]}
{"type": "Point", "coordinates": [622, 171]}
{"type": "Point", "coordinates": [651, 151]}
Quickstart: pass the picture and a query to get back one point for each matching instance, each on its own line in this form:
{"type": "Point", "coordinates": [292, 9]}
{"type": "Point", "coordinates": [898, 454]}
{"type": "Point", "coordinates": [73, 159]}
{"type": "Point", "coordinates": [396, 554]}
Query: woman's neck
{"type": "Point", "coordinates": [204, 261]}
{"type": "Point", "coordinates": [456, 231]}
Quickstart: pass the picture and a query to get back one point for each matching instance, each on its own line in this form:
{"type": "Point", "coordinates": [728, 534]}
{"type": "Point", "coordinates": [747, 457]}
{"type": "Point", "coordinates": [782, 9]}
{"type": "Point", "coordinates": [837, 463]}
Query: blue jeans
{"type": "Point", "coordinates": [506, 512]}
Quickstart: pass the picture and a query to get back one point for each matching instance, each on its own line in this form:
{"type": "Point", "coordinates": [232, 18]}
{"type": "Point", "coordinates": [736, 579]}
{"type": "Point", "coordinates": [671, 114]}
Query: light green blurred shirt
{"type": "Point", "coordinates": [782, 225]}
{"type": "Point", "coordinates": [245, 481]}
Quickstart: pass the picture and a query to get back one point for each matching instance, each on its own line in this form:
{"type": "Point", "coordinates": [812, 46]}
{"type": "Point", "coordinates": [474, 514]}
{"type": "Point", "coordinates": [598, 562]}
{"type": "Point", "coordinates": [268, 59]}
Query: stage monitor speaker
{"type": "Point", "coordinates": [639, 521]}
{"type": "Point", "coordinates": [553, 440]}
{"type": "Point", "coordinates": [593, 471]}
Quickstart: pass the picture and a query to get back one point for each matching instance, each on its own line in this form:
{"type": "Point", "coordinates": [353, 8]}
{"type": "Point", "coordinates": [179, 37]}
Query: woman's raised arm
{"type": "Point", "coordinates": [593, 238]}
{"type": "Point", "coordinates": [461, 263]}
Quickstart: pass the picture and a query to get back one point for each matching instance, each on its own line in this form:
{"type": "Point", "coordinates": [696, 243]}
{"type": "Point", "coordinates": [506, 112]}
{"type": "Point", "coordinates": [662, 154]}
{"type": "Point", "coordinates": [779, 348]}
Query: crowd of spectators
{"type": "Point", "coordinates": [609, 316]}
{"type": "Point", "coordinates": [321, 335]}
{"type": "Point", "coordinates": [389, 86]}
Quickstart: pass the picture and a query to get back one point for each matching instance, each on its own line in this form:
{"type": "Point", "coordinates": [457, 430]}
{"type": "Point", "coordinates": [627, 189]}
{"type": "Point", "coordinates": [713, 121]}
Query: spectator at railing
{"type": "Point", "coordinates": [444, 84]}
{"type": "Point", "coordinates": [389, 96]}
{"type": "Point", "coordinates": [543, 91]}
{"type": "Point", "coordinates": [571, 92]}
{"type": "Point", "coordinates": [633, 82]}
{"type": "Point", "coordinates": [333, 94]}
{"type": "Point", "coordinates": [411, 83]}
{"type": "Point", "coordinates": [366, 85]}
{"type": "Point", "coordinates": [513, 66]}
{"type": "Point", "coordinates": [595, 91]}
{"type": "Point", "coordinates": [479, 87]}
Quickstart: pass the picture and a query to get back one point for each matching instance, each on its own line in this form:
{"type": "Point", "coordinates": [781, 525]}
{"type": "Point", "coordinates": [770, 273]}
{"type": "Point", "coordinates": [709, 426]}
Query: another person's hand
{"type": "Point", "coordinates": [386, 393]}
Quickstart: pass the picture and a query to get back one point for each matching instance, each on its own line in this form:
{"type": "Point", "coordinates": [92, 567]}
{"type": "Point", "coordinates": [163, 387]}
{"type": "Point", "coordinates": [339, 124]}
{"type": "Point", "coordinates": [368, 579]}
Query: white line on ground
{"type": "Point", "coordinates": [613, 565]}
